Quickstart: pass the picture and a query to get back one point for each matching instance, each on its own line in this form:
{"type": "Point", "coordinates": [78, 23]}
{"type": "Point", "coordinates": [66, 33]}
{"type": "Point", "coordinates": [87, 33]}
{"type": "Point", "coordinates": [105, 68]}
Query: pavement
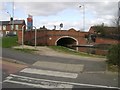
{"type": "Point", "coordinates": [11, 67]}
{"type": "Point", "coordinates": [60, 66]}
{"type": "Point", "coordinates": [43, 50]}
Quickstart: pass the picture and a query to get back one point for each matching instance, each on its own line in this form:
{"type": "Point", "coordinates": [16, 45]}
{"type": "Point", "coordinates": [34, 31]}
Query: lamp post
{"type": "Point", "coordinates": [35, 36]}
{"type": "Point", "coordinates": [11, 20]}
{"type": "Point", "coordinates": [9, 14]}
{"type": "Point", "coordinates": [23, 36]}
{"type": "Point", "coordinates": [13, 15]}
{"type": "Point", "coordinates": [83, 6]}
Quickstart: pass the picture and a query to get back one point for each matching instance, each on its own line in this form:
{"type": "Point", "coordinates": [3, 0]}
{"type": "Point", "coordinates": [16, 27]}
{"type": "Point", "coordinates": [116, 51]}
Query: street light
{"type": "Point", "coordinates": [83, 15]}
{"type": "Point", "coordinates": [9, 14]}
{"type": "Point", "coordinates": [11, 20]}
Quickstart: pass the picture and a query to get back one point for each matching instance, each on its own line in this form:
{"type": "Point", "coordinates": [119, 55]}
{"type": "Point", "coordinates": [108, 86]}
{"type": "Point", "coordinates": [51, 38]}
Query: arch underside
{"type": "Point", "coordinates": [67, 42]}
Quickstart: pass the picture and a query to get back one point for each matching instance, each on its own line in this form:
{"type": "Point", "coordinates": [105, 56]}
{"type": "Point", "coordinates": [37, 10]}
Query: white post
{"type": "Point", "coordinates": [23, 36]}
{"type": "Point", "coordinates": [35, 36]}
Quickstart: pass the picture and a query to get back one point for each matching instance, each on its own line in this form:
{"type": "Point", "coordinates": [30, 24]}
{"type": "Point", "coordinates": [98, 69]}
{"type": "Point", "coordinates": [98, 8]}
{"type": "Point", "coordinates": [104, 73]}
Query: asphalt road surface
{"type": "Point", "coordinates": [92, 75]}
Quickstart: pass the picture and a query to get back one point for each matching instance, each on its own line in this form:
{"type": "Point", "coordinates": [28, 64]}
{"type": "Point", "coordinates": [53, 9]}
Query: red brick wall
{"type": "Point", "coordinates": [19, 37]}
{"type": "Point", "coordinates": [106, 41]}
{"type": "Point", "coordinates": [49, 37]}
{"type": "Point", "coordinates": [101, 52]}
{"type": "Point", "coordinates": [93, 51]}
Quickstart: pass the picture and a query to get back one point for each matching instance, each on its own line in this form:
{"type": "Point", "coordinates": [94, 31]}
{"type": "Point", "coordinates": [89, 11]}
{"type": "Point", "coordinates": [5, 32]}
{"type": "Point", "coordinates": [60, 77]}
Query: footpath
{"type": "Point", "coordinates": [43, 50]}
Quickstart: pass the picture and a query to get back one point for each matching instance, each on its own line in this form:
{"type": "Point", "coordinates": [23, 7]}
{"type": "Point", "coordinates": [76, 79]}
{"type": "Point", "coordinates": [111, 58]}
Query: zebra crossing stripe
{"type": "Point", "coordinates": [49, 73]}
{"type": "Point", "coordinates": [35, 82]}
{"type": "Point", "coordinates": [60, 83]}
{"type": "Point", "coordinates": [40, 85]}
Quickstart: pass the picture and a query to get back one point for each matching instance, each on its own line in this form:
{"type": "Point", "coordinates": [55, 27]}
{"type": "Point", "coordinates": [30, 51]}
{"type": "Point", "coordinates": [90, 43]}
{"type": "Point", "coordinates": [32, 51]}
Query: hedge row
{"type": "Point", "coordinates": [114, 55]}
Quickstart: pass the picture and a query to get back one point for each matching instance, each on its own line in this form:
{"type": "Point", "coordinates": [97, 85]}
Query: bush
{"type": "Point", "coordinates": [114, 55]}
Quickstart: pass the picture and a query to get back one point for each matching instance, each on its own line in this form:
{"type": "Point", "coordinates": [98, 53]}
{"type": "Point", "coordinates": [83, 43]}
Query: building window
{"type": "Point", "coordinates": [4, 27]}
{"type": "Point", "coordinates": [16, 27]}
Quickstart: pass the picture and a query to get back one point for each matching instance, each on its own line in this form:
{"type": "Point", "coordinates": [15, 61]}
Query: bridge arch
{"type": "Point", "coordinates": [66, 41]}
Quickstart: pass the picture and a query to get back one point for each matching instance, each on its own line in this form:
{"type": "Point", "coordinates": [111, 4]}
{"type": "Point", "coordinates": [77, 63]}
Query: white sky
{"type": "Point", "coordinates": [63, 11]}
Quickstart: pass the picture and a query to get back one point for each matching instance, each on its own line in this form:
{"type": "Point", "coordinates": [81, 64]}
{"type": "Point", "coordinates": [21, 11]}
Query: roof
{"type": "Point", "coordinates": [110, 32]}
{"type": "Point", "coordinates": [4, 22]}
{"type": "Point", "coordinates": [17, 22]}
{"type": "Point", "coordinates": [11, 22]}
{"type": "Point", "coordinates": [106, 29]}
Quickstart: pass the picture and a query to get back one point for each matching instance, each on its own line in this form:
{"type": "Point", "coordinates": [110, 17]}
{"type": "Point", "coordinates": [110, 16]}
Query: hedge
{"type": "Point", "coordinates": [114, 55]}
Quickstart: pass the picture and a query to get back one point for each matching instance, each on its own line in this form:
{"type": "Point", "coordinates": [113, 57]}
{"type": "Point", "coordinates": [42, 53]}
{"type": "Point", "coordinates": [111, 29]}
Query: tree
{"type": "Point", "coordinates": [115, 22]}
{"type": "Point", "coordinates": [99, 29]}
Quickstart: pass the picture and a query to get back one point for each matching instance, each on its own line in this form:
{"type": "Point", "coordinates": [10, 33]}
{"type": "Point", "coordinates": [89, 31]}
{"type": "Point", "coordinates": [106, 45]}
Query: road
{"type": "Point", "coordinates": [57, 72]}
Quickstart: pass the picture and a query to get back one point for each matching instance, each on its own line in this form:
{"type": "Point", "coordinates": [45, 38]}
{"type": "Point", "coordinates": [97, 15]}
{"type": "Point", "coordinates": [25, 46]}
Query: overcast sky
{"type": "Point", "coordinates": [69, 13]}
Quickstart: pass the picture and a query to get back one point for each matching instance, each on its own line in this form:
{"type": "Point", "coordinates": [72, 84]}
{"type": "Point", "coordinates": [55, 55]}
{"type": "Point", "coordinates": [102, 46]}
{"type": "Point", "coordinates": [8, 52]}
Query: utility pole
{"type": "Point", "coordinates": [83, 6]}
{"type": "Point", "coordinates": [13, 14]}
{"type": "Point", "coordinates": [119, 14]}
{"type": "Point", "coordinates": [9, 14]}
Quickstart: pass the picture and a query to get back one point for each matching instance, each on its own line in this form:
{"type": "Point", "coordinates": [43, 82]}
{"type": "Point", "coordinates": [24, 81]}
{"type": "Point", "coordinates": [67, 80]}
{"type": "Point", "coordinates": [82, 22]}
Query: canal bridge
{"type": "Point", "coordinates": [54, 37]}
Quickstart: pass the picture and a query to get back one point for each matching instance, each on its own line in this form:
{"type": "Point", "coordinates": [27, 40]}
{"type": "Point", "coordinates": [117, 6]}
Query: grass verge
{"type": "Point", "coordinates": [26, 50]}
{"type": "Point", "coordinates": [8, 42]}
{"type": "Point", "coordinates": [73, 52]}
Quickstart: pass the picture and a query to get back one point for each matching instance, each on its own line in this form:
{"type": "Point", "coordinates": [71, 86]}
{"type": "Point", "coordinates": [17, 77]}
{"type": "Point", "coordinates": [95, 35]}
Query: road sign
{"type": "Point", "coordinates": [29, 23]}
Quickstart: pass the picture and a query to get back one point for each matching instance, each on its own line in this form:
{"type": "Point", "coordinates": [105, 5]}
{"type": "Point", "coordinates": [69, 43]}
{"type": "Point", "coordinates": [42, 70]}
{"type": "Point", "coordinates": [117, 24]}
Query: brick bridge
{"type": "Point", "coordinates": [54, 37]}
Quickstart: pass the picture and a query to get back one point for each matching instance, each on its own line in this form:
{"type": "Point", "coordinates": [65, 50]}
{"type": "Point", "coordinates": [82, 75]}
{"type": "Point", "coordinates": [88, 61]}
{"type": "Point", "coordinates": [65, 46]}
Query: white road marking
{"type": "Point", "coordinates": [49, 73]}
{"type": "Point", "coordinates": [10, 77]}
{"type": "Point", "coordinates": [62, 82]}
{"type": "Point", "coordinates": [34, 82]}
{"type": "Point", "coordinates": [40, 85]}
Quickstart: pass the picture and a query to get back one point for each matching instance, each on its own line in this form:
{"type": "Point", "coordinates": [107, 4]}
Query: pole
{"type": "Point", "coordinates": [13, 15]}
{"type": "Point", "coordinates": [84, 17]}
{"type": "Point", "coordinates": [118, 15]}
{"type": "Point", "coordinates": [9, 14]}
{"type": "Point", "coordinates": [35, 36]}
{"type": "Point", "coordinates": [23, 36]}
